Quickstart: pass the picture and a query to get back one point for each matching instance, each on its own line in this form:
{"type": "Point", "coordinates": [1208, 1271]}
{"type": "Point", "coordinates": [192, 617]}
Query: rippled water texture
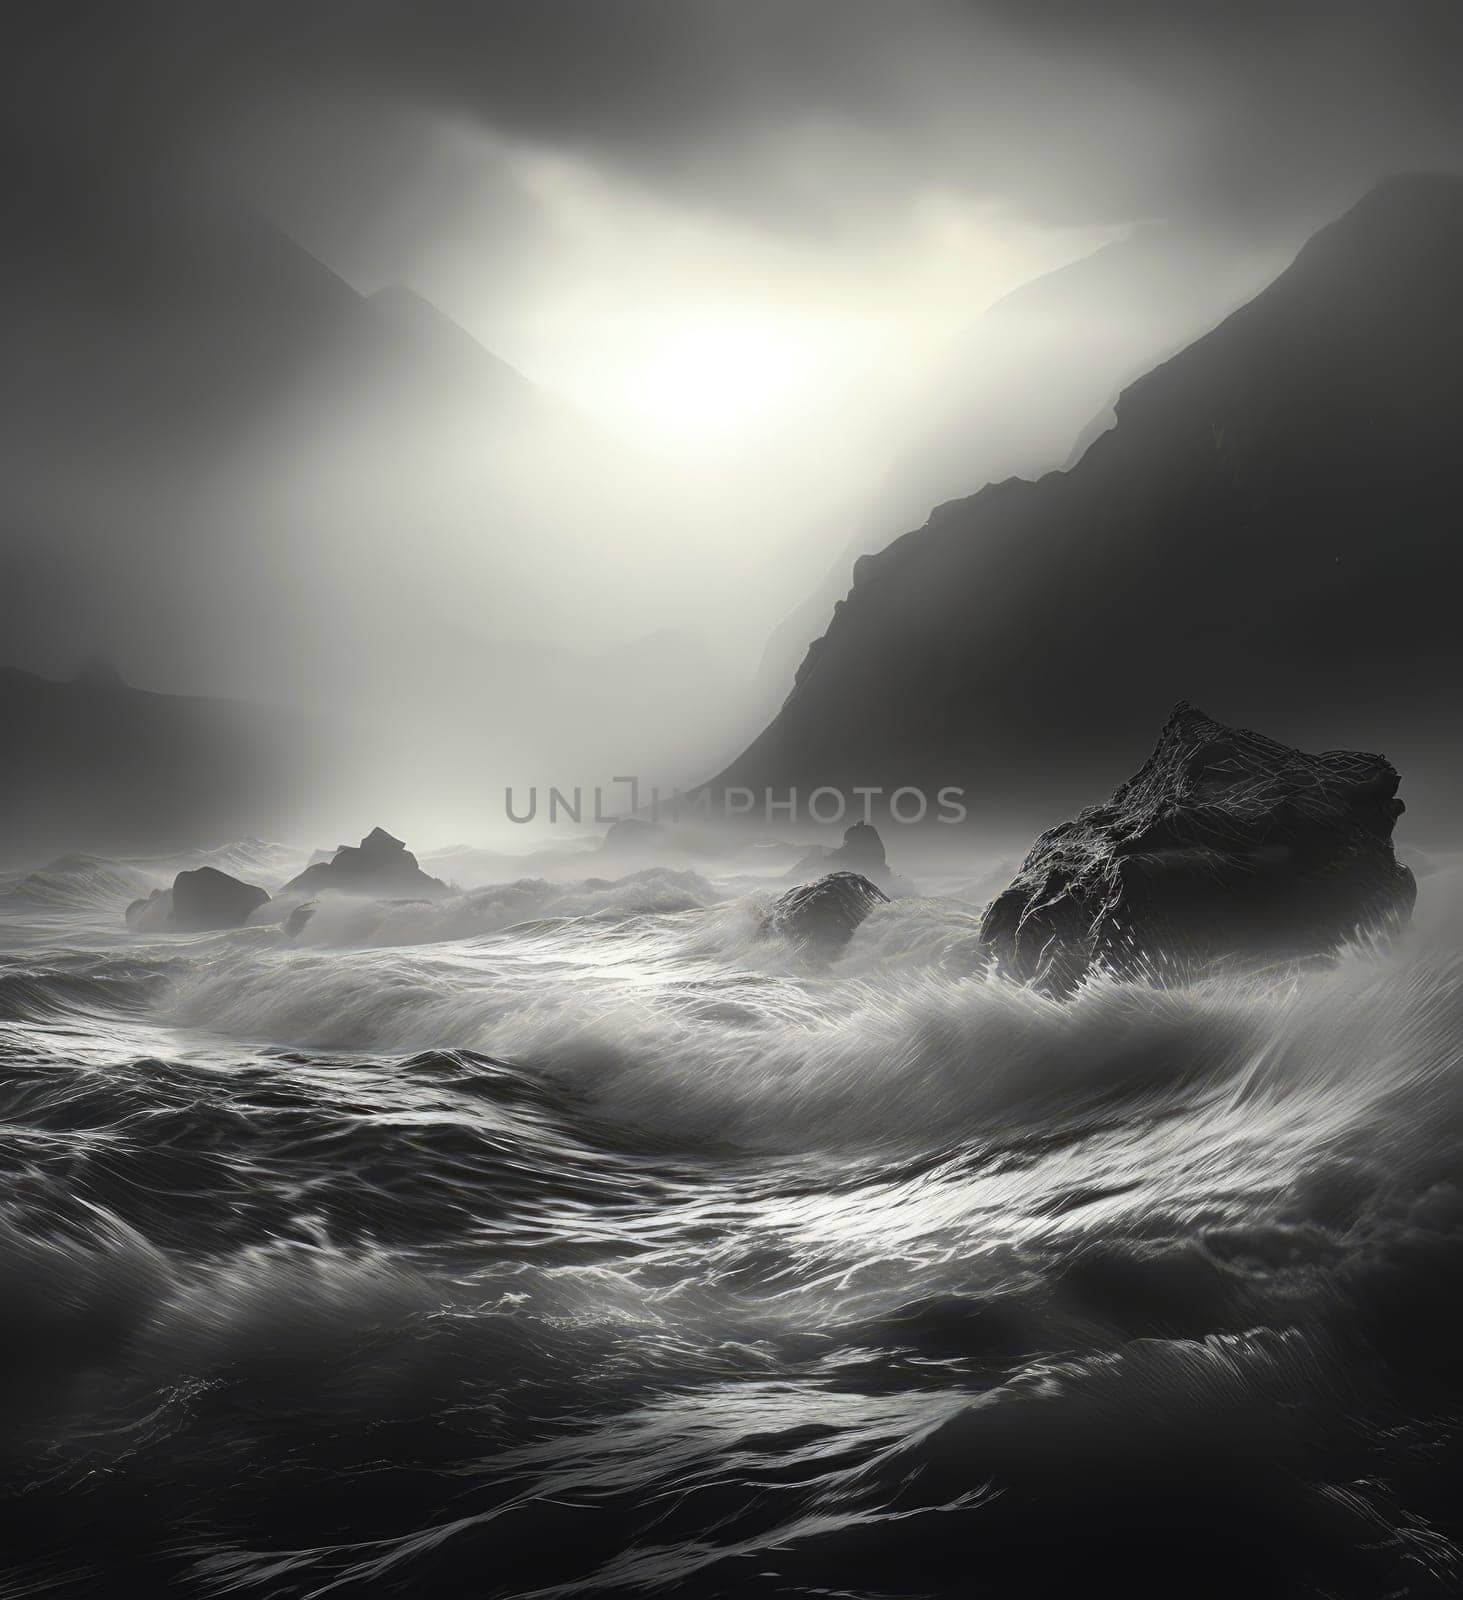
{"type": "Point", "coordinates": [579, 1240]}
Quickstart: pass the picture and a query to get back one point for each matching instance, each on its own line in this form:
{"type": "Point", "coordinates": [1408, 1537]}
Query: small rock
{"type": "Point", "coordinates": [822, 916]}
{"type": "Point", "coordinates": [862, 851]}
{"type": "Point", "coordinates": [380, 866]}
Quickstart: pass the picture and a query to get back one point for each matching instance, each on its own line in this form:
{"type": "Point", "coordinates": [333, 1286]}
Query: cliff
{"type": "Point", "coordinates": [1270, 525]}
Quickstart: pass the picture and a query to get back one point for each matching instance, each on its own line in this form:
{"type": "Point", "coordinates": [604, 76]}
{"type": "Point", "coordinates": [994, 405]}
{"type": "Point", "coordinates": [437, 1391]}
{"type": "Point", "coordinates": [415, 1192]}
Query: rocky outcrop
{"type": "Point", "coordinates": [862, 851]}
{"type": "Point", "coordinates": [207, 898]}
{"type": "Point", "coordinates": [380, 866]}
{"type": "Point", "coordinates": [200, 901]}
{"type": "Point", "coordinates": [1225, 849]}
{"type": "Point", "coordinates": [821, 917]}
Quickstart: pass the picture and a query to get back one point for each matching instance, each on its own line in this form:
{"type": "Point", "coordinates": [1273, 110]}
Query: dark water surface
{"type": "Point", "coordinates": [742, 1278]}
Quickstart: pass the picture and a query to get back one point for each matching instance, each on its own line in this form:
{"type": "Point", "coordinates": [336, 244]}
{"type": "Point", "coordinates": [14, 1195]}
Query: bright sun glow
{"type": "Point", "coordinates": [705, 380]}
{"type": "Point", "coordinates": [706, 333]}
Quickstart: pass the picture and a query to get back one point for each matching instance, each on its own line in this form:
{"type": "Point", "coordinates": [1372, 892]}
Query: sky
{"type": "Point", "coordinates": [741, 259]}
{"type": "Point", "coordinates": [701, 219]}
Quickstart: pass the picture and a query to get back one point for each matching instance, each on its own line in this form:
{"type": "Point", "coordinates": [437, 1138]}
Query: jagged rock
{"type": "Point", "coordinates": [380, 866]}
{"type": "Point", "coordinates": [862, 851]}
{"type": "Point", "coordinates": [207, 898]}
{"type": "Point", "coordinates": [822, 916]}
{"type": "Point", "coordinates": [1225, 848]}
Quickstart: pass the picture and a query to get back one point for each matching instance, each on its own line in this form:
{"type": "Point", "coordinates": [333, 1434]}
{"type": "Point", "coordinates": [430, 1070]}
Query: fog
{"type": "Point", "coordinates": [509, 391]}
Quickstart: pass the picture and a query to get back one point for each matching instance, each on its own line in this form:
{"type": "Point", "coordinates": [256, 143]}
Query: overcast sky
{"type": "Point", "coordinates": [618, 193]}
{"type": "Point", "coordinates": [809, 118]}
{"type": "Point", "coordinates": [615, 193]}
{"type": "Point", "coordinates": [750, 239]}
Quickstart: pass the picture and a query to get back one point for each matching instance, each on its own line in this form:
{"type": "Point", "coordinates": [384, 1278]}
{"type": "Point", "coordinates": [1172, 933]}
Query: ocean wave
{"type": "Point", "coordinates": [658, 891]}
{"type": "Point", "coordinates": [76, 882]}
{"type": "Point", "coordinates": [618, 1249]}
{"type": "Point", "coordinates": [254, 860]}
{"type": "Point", "coordinates": [91, 989]}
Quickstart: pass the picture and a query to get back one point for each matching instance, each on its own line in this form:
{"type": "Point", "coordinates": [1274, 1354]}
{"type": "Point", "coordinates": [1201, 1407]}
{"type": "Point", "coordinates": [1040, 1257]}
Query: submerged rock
{"type": "Point", "coordinates": [207, 898]}
{"type": "Point", "coordinates": [822, 916]}
{"type": "Point", "coordinates": [1225, 848]}
{"type": "Point", "coordinates": [380, 866]}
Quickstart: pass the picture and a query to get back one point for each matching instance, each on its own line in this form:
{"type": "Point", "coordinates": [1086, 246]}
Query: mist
{"type": "Point", "coordinates": [729, 799]}
{"type": "Point", "coordinates": [509, 393]}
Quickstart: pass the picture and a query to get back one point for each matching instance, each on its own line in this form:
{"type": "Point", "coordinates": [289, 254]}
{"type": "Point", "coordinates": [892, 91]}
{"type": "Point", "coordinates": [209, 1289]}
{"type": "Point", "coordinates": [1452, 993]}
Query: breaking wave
{"type": "Point", "coordinates": [74, 882]}
{"type": "Point", "coordinates": [339, 920]}
{"type": "Point", "coordinates": [560, 1239]}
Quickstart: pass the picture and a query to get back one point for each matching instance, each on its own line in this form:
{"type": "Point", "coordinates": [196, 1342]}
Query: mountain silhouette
{"type": "Point", "coordinates": [416, 335]}
{"type": "Point", "coordinates": [94, 764]}
{"type": "Point", "coordinates": [1270, 527]}
{"type": "Point", "coordinates": [1036, 372]}
{"type": "Point", "coordinates": [233, 400]}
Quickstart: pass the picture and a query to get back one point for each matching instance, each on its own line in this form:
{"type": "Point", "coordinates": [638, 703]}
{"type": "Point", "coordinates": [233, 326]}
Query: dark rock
{"type": "Point", "coordinates": [1226, 848]}
{"type": "Point", "coordinates": [299, 917]}
{"type": "Point", "coordinates": [862, 851]}
{"type": "Point", "coordinates": [198, 902]}
{"type": "Point", "coordinates": [207, 898]}
{"type": "Point", "coordinates": [379, 866]}
{"type": "Point", "coordinates": [822, 916]}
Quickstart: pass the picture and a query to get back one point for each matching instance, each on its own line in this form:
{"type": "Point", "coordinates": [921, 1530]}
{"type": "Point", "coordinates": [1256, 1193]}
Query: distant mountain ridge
{"type": "Point", "coordinates": [1270, 527]}
{"type": "Point", "coordinates": [1031, 383]}
{"type": "Point", "coordinates": [228, 399]}
{"type": "Point", "coordinates": [96, 765]}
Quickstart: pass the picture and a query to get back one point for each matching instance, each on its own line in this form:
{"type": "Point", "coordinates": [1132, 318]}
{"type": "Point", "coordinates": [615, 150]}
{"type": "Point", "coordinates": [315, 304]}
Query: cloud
{"type": "Point", "coordinates": [803, 116]}
{"type": "Point", "coordinates": [701, 210]}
